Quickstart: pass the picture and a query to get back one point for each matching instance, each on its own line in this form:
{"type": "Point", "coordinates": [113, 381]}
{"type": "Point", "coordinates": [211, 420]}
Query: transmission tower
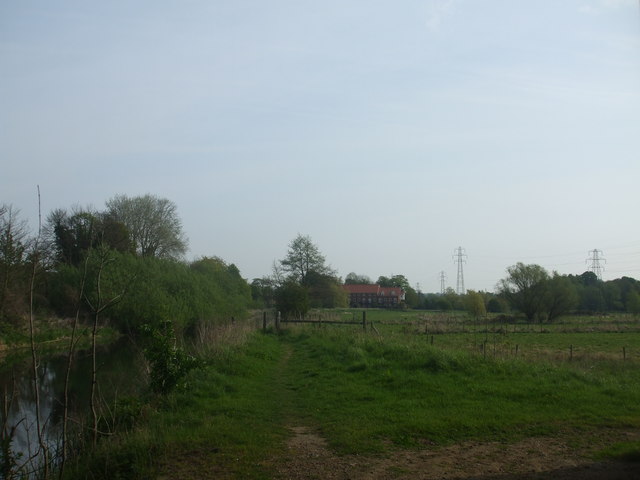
{"type": "Point", "coordinates": [459, 257]}
{"type": "Point", "coordinates": [595, 257]}
{"type": "Point", "coordinates": [443, 278]}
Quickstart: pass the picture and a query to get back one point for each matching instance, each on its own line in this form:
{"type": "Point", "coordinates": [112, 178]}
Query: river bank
{"type": "Point", "coordinates": [51, 335]}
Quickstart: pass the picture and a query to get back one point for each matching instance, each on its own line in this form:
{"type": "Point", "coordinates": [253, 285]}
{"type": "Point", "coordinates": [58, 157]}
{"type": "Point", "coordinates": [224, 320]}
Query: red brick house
{"type": "Point", "coordinates": [373, 296]}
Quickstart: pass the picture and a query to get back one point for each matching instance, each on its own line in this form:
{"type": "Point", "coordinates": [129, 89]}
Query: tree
{"type": "Point", "coordinates": [561, 296]}
{"type": "Point", "coordinates": [262, 292]}
{"type": "Point", "coordinates": [325, 291]}
{"type": "Point", "coordinates": [152, 222]}
{"type": "Point", "coordinates": [474, 304]}
{"type": "Point", "coordinates": [633, 303]}
{"type": "Point", "coordinates": [592, 299]}
{"type": "Point", "coordinates": [13, 251]}
{"type": "Point", "coordinates": [525, 289]}
{"type": "Point", "coordinates": [304, 257]}
{"type": "Point", "coordinates": [292, 300]}
{"type": "Point", "coordinates": [72, 234]}
{"type": "Point", "coordinates": [355, 279]}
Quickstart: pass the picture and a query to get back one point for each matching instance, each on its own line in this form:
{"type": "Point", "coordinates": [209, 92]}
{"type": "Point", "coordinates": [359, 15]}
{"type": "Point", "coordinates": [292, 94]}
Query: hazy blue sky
{"type": "Point", "coordinates": [391, 132]}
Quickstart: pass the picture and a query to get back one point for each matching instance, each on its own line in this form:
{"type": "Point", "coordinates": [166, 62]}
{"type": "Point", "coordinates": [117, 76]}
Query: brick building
{"type": "Point", "coordinates": [374, 296]}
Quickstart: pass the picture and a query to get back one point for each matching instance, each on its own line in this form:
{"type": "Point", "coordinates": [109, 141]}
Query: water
{"type": "Point", "coordinates": [119, 373]}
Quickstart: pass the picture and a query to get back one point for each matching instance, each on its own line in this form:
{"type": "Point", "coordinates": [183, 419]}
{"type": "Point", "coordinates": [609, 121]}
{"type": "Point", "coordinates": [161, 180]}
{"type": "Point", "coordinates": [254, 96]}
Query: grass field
{"type": "Point", "coordinates": [377, 391]}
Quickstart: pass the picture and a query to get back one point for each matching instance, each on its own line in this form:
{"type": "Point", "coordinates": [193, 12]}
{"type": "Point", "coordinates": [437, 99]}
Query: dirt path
{"type": "Point", "coordinates": [307, 456]}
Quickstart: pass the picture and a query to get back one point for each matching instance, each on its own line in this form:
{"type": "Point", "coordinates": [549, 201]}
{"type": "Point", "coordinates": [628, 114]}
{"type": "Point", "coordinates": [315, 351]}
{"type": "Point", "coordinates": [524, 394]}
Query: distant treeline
{"type": "Point", "coordinates": [530, 290]}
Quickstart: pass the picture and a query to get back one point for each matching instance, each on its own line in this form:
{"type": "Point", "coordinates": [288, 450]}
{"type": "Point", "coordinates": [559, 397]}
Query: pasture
{"type": "Point", "coordinates": [413, 392]}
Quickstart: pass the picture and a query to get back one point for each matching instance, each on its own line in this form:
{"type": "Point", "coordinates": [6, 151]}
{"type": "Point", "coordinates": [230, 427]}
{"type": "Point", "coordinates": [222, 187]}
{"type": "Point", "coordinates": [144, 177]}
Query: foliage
{"type": "Point", "coordinates": [561, 297]}
{"type": "Point", "coordinates": [304, 257]}
{"type": "Point", "coordinates": [263, 292]}
{"type": "Point", "coordinates": [325, 291]}
{"type": "Point", "coordinates": [157, 290]}
{"type": "Point", "coordinates": [292, 300]}
{"type": "Point", "coordinates": [153, 223]}
{"type": "Point", "coordinates": [72, 234]}
{"type": "Point", "coordinates": [309, 281]}
{"type": "Point", "coordinates": [525, 289]}
{"type": "Point", "coordinates": [14, 264]}
{"type": "Point", "coordinates": [353, 278]}
{"type": "Point", "coordinates": [169, 364]}
{"type": "Point", "coordinates": [474, 304]}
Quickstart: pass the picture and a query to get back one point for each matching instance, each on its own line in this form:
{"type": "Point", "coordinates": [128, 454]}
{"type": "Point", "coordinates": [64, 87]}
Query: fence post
{"type": "Point", "coordinates": [570, 352]}
{"type": "Point", "coordinates": [364, 320]}
{"type": "Point", "coordinates": [624, 354]}
{"type": "Point", "coordinates": [264, 321]}
{"type": "Point", "coordinates": [278, 321]}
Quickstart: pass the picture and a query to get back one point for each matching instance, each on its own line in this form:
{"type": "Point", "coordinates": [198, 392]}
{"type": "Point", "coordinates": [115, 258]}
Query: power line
{"type": "Point", "coordinates": [459, 257]}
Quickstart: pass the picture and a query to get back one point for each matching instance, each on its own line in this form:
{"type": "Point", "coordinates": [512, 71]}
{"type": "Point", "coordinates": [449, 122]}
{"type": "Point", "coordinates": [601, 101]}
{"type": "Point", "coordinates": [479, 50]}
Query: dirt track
{"type": "Point", "coordinates": [308, 457]}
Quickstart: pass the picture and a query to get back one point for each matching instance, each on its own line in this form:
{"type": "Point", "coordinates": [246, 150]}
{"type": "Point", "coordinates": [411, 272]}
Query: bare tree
{"type": "Point", "coordinates": [35, 259]}
{"type": "Point", "coordinates": [13, 248]}
{"type": "Point", "coordinates": [98, 302]}
{"type": "Point", "coordinates": [153, 223]}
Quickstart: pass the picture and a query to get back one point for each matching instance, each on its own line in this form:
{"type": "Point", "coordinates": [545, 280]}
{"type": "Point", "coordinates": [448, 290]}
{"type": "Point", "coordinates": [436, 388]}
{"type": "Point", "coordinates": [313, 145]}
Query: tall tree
{"type": "Point", "coordinates": [561, 296]}
{"type": "Point", "coordinates": [152, 222]}
{"type": "Point", "coordinates": [13, 250]}
{"type": "Point", "coordinates": [304, 257]}
{"type": "Point", "coordinates": [525, 288]}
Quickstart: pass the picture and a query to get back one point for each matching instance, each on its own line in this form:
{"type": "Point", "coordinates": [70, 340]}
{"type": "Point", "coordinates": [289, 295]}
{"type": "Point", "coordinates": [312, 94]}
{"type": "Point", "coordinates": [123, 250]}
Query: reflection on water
{"type": "Point", "coordinates": [119, 371]}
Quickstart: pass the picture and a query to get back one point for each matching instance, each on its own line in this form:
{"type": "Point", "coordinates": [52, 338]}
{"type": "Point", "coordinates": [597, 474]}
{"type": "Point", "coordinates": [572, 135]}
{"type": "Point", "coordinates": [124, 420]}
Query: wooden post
{"type": "Point", "coordinates": [570, 352]}
{"type": "Point", "coordinates": [624, 354]}
{"type": "Point", "coordinates": [278, 321]}
{"type": "Point", "coordinates": [264, 321]}
{"type": "Point", "coordinates": [364, 320]}
{"type": "Point", "coordinates": [516, 349]}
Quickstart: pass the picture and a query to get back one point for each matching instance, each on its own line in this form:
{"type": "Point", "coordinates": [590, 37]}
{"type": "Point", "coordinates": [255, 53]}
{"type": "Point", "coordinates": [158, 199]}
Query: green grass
{"type": "Point", "coordinates": [232, 409]}
{"type": "Point", "coordinates": [625, 451]}
{"type": "Point", "coordinates": [366, 393]}
{"type": "Point", "coordinates": [363, 392]}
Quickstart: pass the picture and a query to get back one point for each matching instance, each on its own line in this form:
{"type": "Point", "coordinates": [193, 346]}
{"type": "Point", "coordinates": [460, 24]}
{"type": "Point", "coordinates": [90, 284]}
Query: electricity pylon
{"type": "Point", "coordinates": [594, 262]}
{"type": "Point", "coordinates": [459, 257]}
{"type": "Point", "coordinates": [443, 278]}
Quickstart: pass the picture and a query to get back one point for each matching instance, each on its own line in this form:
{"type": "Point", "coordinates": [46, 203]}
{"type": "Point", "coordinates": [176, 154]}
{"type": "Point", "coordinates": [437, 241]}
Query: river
{"type": "Point", "coordinates": [120, 368]}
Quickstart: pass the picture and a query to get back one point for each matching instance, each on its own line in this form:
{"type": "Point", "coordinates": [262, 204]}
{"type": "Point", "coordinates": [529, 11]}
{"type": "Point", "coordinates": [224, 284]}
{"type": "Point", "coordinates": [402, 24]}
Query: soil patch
{"type": "Point", "coordinates": [563, 457]}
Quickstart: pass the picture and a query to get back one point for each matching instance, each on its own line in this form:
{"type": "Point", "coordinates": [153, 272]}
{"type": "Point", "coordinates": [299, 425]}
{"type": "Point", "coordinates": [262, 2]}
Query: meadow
{"type": "Point", "coordinates": [412, 381]}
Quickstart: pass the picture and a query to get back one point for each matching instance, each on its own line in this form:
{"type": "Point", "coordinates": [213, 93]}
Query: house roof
{"type": "Point", "coordinates": [374, 289]}
{"type": "Point", "coordinates": [362, 288]}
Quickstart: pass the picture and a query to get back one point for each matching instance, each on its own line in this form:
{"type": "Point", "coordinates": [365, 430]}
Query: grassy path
{"type": "Point", "coordinates": [338, 404]}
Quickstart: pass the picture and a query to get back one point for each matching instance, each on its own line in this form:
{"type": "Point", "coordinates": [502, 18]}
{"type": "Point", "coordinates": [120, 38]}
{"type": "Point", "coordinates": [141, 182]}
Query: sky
{"type": "Point", "coordinates": [390, 132]}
